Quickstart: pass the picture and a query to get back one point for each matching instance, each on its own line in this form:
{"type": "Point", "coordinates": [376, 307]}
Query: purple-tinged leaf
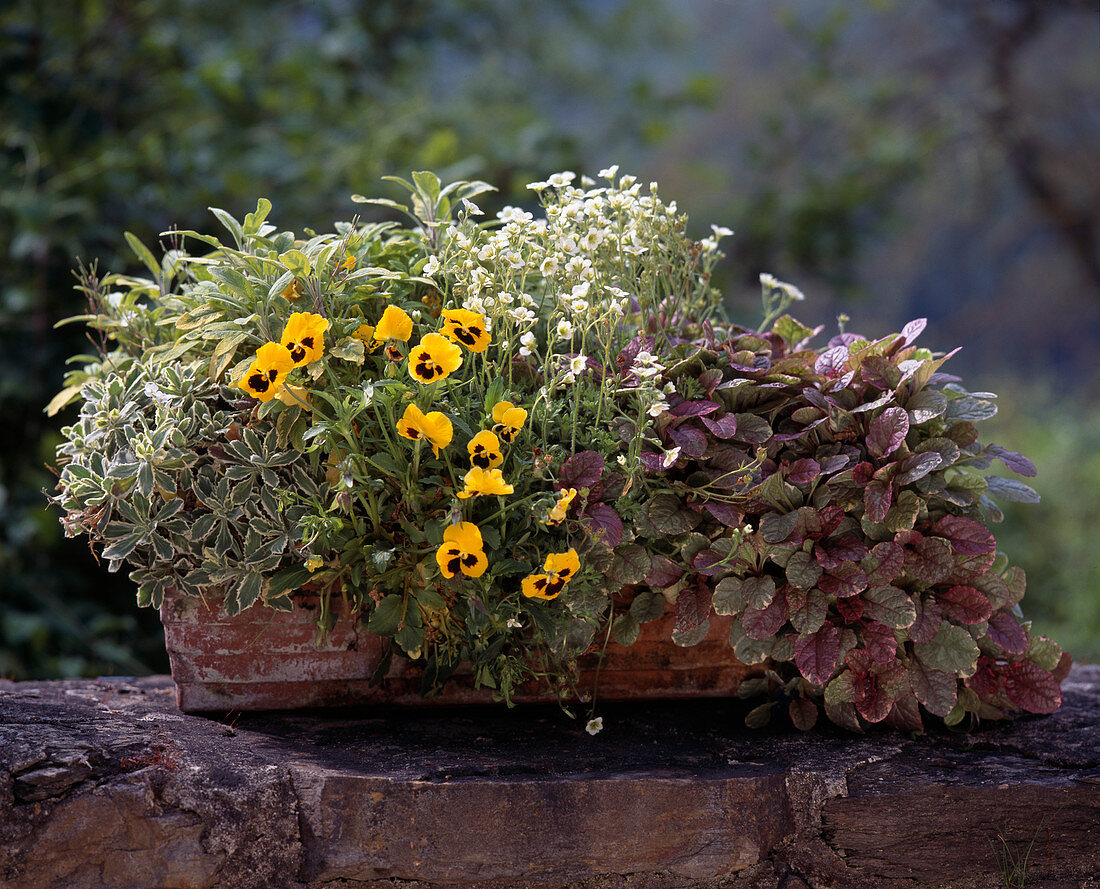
{"type": "Point", "coordinates": [1006, 632]}
{"type": "Point", "coordinates": [816, 654]}
{"type": "Point", "coordinates": [878, 641]}
{"type": "Point", "coordinates": [928, 620]}
{"type": "Point", "coordinates": [969, 569]}
{"type": "Point", "coordinates": [694, 408]}
{"type": "Point", "coordinates": [663, 573]}
{"type": "Point", "coordinates": [752, 429]}
{"type": "Point", "coordinates": [1011, 490]}
{"type": "Point", "coordinates": [965, 604]}
{"type": "Point", "coordinates": [802, 570]}
{"type": "Point", "coordinates": [844, 339]}
{"type": "Point", "coordinates": [625, 359]}
{"type": "Point", "coordinates": [582, 470]}
{"type": "Point", "coordinates": [606, 524]}
{"type": "Point", "coordinates": [707, 562]}
{"type": "Point", "coordinates": [778, 527]}
{"type": "Point", "coordinates": [905, 714]}
{"type": "Point", "coordinates": [758, 592]}
{"type": "Point", "coordinates": [763, 623]}
{"type": "Point", "coordinates": [926, 405]}
{"type": "Point", "coordinates": [917, 466]}
{"type": "Point", "coordinates": [726, 513]}
{"type": "Point", "coordinates": [862, 473]}
{"type": "Point", "coordinates": [968, 537]}
{"type": "Point", "coordinates": [913, 329]}
{"type": "Point", "coordinates": [803, 713]}
{"type": "Point", "coordinates": [724, 427]}
{"type": "Point", "coordinates": [669, 515]}
{"type": "Point", "coordinates": [806, 415]}
{"type": "Point", "coordinates": [850, 609]}
{"type": "Point", "coordinates": [843, 581]}
{"type": "Point", "coordinates": [1032, 688]}
{"type": "Point", "coordinates": [1018, 463]}
{"type": "Point", "coordinates": [889, 605]}
{"type": "Point", "coordinates": [930, 561]}
{"type": "Point", "coordinates": [877, 498]}
{"type": "Point", "coordinates": [808, 609]}
{"type": "Point", "coordinates": [881, 373]}
{"type": "Point", "coordinates": [803, 471]}
{"type": "Point", "coordinates": [691, 637]}
{"type": "Point", "coordinates": [883, 563]}
{"type": "Point", "coordinates": [692, 607]}
{"type": "Point", "coordinates": [830, 363]}
{"type": "Point", "coordinates": [844, 715]}
{"type": "Point", "coordinates": [652, 461]}
{"type": "Point", "coordinates": [837, 552]}
{"type": "Point", "coordinates": [709, 379]}
{"type": "Point", "coordinates": [986, 681]}
{"type": "Point", "coordinates": [938, 690]}
{"type": "Point", "coordinates": [691, 439]}
{"type": "Point", "coordinates": [874, 405]}
{"type": "Point", "coordinates": [874, 685]}
{"type": "Point", "coordinates": [833, 464]}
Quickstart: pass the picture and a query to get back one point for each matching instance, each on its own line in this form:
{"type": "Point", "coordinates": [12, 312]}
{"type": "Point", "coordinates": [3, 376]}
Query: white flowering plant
{"type": "Point", "coordinates": [503, 441]}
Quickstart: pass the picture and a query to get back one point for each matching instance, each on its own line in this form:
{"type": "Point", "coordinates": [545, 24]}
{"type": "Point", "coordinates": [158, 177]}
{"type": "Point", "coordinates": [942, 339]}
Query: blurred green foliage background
{"type": "Point", "coordinates": [894, 159]}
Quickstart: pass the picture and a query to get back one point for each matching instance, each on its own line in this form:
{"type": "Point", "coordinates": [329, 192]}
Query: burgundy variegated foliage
{"type": "Point", "coordinates": [871, 579]}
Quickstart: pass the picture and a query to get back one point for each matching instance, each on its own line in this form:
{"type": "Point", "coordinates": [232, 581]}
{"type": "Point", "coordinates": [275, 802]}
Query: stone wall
{"type": "Point", "coordinates": [106, 784]}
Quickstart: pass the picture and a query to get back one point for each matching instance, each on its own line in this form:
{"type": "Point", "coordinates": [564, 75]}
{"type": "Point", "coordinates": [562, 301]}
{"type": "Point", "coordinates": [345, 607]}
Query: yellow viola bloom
{"type": "Point", "coordinates": [267, 372]}
{"type": "Point", "coordinates": [433, 427]}
{"type": "Point", "coordinates": [558, 512]}
{"type": "Point", "coordinates": [484, 481]}
{"type": "Point", "coordinates": [484, 450]}
{"type": "Point", "coordinates": [313, 563]}
{"type": "Point", "coordinates": [298, 395]}
{"type": "Point", "coordinates": [364, 333]}
{"type": "Point", "coordinates": [559, 568]}
{"type": "Point", "coordinates": [348, 264]}
{"type": "Point", "coordinates": [508, 420]}
{"type": "Point", "coordinates": [293, 290]}
{"type": "Point", "coordinates": [395, 324]}
{"type": "Point", "coordinates": [462, 550]}
{"type": "Point", "coordinates": [434, 358]}
{"type": "Point", "coordinates": [304, 337]}
{"type": "Point", "coordinates": [466, 327]}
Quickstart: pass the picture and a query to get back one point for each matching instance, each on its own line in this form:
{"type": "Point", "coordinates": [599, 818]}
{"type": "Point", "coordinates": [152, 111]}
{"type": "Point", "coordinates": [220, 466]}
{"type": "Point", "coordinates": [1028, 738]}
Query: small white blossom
{"type": "Point", "coordinates": [513, 624]}
{"type": "Point", "coordinates": [562, 179]}
{"type": "Point", "coordinates": [621, 459]}
{"type": "Point", "coordinates": [432, 266]}
{"type": "Point", "coordinates": [564, 330]}
{"type": "Point", "coordinates": [609, 172]}
{"type": "Point", "coordinates": [670, 457]}
{"type": "Point", "coordinates": [595, 726]}
{"type": "Point", "coordinates": [658, 408]}
{"type": "Point", "coordinates": [472, 208]}
{"type": "Point", "coordinates": [578, 363]}
{"type": "Point", "coordinates": [527, 343]}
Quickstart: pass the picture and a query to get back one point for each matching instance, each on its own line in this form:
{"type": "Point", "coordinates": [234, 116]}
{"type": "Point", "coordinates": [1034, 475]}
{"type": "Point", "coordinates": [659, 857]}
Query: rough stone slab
{"type": "Point", "coordinates": [107, 784]}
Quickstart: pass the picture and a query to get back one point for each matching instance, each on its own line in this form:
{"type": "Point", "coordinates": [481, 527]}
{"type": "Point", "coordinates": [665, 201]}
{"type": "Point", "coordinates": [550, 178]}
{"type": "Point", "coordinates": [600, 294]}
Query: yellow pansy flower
{"type": "Point", "coordinates": [293, 290]}
{"type": "Point", "coordinates": [433, 427]}
{"type": "Point", "coordinates": [304, 337]}
{"type": "Point", "coordinates": [434, 358]}
{"type": "Point", "coordinates": [364, 333]}
{"type": "Point", "coordinates": [558, 512]}
{"type": "Point", "coordinates": [559, 568]}
{"type": "Point", "coordinates": [462, 550]}
{"type": "Point", "coordinates": [484, 481]}
{"type": "Point", "coordinates": [267, 372]}
{"type": "Point", "coordinates": [298, 395]}
{"type": "Point", "coordinates": [466, 327]}
{"type": "Point", "coordinates": [508, 420]}
{"type": "Point", "coordinates": [484, 450]}
{"type": "Point", "coordinates": [395, 324]}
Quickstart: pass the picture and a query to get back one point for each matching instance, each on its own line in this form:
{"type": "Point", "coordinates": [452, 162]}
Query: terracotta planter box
{"type": "Point", "coordinates": [264, 660]}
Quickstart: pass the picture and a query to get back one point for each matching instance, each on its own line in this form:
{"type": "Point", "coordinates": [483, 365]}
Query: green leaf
{"type": "Point", "coordinates": [808, 612]}
{"type": "Point", "coordinates": [143, 253]}
{"type": "Point", "coordinates": [758, 592]}
{"type": "Point", "coordinates": [760, 716]}
{"type": "Point", "coordinates": [647, 606]}
{"type": "Point", "coordinates": [231, 224]}
{"type": "Point", "coordinates": [925, 405]}
{"type": "Point", "coordinates": [387, 614]}
{"type": "Point", "coordinates": [728, 598]}
{"type": "Point", "coordinates": [1011, 490]}
{"type": "Point", "coordinates": [669, 515]}
{"type": "Point", "coordinates": [625, 629]}
{"type": "Point", "coordinates": [803, 571]}
{"type": "Point", "coordinates": [63, 399]}
{"type": "Point", "coordinates": [938, 690]}
{"type": "Point", "coordinates": [349, 349]}
{"type": "Point", "coordinates": [953, 650]}
{"type": "Point", "coordinates": [791, 330]}
{"type": "Point", "coordinates": [630, 564]}
{"type": "Point", "coordinates": [890, 606]}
